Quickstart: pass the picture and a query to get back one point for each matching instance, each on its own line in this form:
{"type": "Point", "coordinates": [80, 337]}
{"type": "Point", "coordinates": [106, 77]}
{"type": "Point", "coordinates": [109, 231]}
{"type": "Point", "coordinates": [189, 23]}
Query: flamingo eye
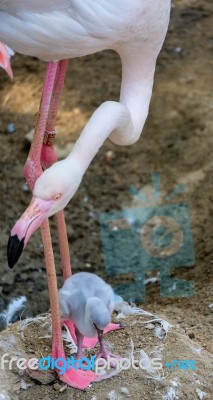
{"type": "Point", "coordinates": [57, 197]}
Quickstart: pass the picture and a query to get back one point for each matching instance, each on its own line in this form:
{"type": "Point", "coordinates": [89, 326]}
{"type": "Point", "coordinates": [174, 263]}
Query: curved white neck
{"type": "Point", "coordinates": [123, 121]}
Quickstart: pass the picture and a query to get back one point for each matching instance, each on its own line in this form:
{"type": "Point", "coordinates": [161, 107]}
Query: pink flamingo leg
{"type": "Point", "coordinates": [80, 339]}
{"type": "Point", "coordinates": [79, 378]}
{"type": "Point", "coordinates": [32, 170]}
{"type": "Point", "coordinates": [86, 342]}
{"type": "Point", "coordinates": [49, 156]}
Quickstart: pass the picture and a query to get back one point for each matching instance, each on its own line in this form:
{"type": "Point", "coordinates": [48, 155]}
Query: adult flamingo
{"type": "Point", "coordinates": [61, 29]}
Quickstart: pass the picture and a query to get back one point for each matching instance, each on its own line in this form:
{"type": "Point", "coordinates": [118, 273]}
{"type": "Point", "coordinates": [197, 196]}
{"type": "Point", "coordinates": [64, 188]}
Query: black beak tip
{"type": "Point", "coordinates": [14, 249]}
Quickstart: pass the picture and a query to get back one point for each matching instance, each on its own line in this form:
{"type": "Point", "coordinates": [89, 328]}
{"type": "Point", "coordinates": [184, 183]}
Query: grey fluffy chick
{"type": "Point", "coordinates": [88, 301]}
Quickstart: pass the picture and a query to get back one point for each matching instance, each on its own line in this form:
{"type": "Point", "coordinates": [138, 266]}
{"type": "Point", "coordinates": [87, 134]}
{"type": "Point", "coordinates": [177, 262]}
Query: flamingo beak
{"type": "Point", "coordinates": [8, 69]}
{"type": "Point", "coordinates": [5, 55]}
{"type": "Point", "coordinates": [37, 212]}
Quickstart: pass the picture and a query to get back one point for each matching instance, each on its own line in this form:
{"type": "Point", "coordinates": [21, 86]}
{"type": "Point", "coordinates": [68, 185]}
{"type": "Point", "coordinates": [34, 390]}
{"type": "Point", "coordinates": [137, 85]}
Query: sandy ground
{"type": "Point", "coordinates": [176, 142]}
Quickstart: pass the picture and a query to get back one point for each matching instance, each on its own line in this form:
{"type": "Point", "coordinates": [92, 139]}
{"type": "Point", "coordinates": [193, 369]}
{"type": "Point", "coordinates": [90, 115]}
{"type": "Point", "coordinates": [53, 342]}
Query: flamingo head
{"type": "Point", "coordinates": [52, 191]}
{"type": "Point", "coordinates": [5, 55]}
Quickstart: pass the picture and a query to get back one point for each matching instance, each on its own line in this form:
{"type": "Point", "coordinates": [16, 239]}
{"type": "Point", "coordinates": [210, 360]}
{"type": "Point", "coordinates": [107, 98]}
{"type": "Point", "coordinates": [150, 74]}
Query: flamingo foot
{"type": "Point", "coordinates": [72, 376]}
{"type": "Point", "coordinates": [89, 343]}
{"type": "Point", "coordinates": [105, 354]}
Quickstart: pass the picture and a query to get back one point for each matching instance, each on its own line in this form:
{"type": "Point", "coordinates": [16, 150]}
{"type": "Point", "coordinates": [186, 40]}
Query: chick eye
{"type": "Point", "coordinates": [57, 196]}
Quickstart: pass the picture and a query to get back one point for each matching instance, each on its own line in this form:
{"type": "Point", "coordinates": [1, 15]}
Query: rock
{"type": "Point", "coordinates": [150, 326]}
{"type": "Point", "coordinates": [124, 390]}
{"type": "Point", "coordinates": [25, 187]}
{"type": "Point", "coordinates": [109, 156]}
{"type": "Point", "coordinates": [57, 387]}
{"type": "Point", "coordinates": [62, 389]}
{"type": "Point", "coordinates": [10, 128]}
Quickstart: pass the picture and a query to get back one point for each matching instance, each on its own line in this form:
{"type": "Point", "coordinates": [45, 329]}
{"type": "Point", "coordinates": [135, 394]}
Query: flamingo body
{"type": "Point", "coordinates": [59, 29]}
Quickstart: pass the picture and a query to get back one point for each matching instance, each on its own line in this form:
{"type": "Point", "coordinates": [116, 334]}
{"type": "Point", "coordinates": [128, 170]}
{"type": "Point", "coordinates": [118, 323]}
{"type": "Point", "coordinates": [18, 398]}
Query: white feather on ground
{"type": "Point", "coordinates": [13, 311]}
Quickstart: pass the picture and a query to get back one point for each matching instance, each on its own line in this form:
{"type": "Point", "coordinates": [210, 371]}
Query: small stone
{"type": "Point", "coordinates": [44, 377]}
{"type": "Point", "coordinates": [191, 335]}
{"type": "Point", "coordinates": [10, 128]}
{"type": "Point", "coordinates": [25, 187]}
{"type": "Point", "coordinates": [62, 389]}
{"type": "Point", "coordinates": [150, 326]}
{"type": "Point", "coordinates": [109, 156]}
{"type": "Point", "coordinates": [93, 214]}
{"type": "Point", "coordinates": [178, 50]}
{"type": "Point", "coordinates": [124, 390]}
{"type": "Point", "coordinates": [57, 387]}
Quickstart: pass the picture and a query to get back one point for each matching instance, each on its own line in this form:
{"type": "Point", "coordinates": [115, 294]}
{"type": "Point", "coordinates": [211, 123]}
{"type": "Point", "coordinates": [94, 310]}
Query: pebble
{"type": "Point", "coordinates": [10, 128]}
{"type": "Point", "coordinates": [109, 156]}
{"type": "Point", "coordinates": [57, 387]}
{"type": "Point", "coordinates": [178, 50]}
{"type": "Point", "coordinates": [93, 214]}
{"type": "Point", "coordinates": [124, 390]}
{"type": "Point", "coordinates": [25, 187]}
{"type": "Point", "coordinates": [63, 388]}
{"type": "Point", "coordinates": [150, 326]}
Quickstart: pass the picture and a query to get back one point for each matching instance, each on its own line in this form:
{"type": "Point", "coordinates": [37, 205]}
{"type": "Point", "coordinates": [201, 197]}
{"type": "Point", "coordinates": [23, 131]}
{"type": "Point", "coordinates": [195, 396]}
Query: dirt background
{"type": "Point", "coordinates": [176, 142]}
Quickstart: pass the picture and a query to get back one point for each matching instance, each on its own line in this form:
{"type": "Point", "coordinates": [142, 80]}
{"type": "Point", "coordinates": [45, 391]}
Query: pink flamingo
{"type": "Point", "coordinates": [57, 30]}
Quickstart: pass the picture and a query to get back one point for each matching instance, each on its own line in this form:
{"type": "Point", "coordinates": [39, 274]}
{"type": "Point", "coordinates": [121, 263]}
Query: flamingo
{"type": "Point", "coordinates": [89, 302]}
{"type": "Point", "coordinates": [55, 31]}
